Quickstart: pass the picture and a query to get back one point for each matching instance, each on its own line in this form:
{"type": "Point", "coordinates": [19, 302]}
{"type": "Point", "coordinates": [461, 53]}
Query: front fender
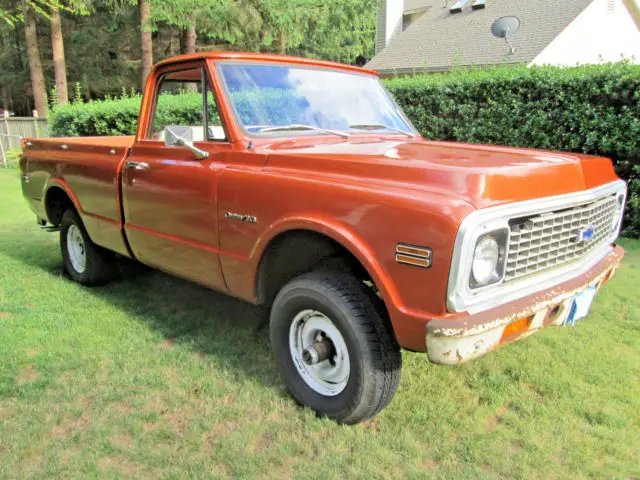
{"type": "Point", "coordinates": [408, 324]}
{"type": "Point", "coordinates": [340, 233]}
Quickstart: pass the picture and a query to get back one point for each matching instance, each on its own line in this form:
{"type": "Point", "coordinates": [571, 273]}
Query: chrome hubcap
{"type": "Point", "coordinates": [75, 248]}
{"type": "Point", "coordinates": [327, 377]}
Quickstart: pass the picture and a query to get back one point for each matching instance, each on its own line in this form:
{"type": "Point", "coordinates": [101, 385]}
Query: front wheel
{"type": "Point", "coordinates": [333, 348]}
{"type": "Point", "coordinates": [84, 261]}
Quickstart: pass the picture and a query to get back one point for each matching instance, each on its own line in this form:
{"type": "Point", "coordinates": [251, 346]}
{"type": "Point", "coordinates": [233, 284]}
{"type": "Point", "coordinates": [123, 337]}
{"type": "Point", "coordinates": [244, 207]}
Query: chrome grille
{"type": "Point", "coordinates": [551, 239]}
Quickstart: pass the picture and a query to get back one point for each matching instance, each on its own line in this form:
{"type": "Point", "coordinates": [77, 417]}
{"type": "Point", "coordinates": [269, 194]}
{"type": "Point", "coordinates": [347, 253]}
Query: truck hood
{"type": "Point", "coordinates": [480, 174]}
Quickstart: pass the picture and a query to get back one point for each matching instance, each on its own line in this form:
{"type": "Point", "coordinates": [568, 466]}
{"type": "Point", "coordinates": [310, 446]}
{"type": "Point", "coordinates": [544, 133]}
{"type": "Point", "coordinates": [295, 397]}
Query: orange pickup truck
{"type": "Point", "coordinates": [301, 186]}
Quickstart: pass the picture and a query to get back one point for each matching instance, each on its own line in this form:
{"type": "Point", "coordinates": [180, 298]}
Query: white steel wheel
{"type": "Point", "coordinates": [76, 249]}
{"type": "Point", "coordinates": [84, 261]}
{"type": "Point", "coordinates": [327, 374]}
{"type": "Point", "coordinates": [332, 346]}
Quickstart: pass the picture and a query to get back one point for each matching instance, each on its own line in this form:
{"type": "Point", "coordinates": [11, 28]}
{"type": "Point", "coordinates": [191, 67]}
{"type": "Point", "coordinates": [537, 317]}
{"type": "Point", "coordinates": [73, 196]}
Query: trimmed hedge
{"type": "Point", "coordinates": [120, 117]}
{"type": "Point", "coordinates": [590, 109]}
{"type": "Point", "coordinates": [96, 118]}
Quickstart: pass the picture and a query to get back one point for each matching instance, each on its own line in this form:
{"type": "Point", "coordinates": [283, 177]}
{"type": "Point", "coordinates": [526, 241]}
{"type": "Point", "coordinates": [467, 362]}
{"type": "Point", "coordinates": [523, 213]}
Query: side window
{"type": "Point", "coordinates": [180, 102]}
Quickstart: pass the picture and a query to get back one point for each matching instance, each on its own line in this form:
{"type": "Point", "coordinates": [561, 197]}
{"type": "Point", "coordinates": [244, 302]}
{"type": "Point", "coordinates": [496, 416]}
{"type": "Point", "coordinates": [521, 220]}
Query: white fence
{"type": "Point", "coordinates": [13, 129]}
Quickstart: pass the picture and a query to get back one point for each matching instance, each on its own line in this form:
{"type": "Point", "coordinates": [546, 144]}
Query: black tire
{"type": "Point", "coordinates": [374, 354]}
{"type": "Point", "coordinates": [100, 264]}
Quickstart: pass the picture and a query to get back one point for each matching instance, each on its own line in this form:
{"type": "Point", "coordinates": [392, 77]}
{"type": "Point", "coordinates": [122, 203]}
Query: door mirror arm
{"type": "Point", "coordinates": [182, 137]}
{"type": "Point", "coordinates": [198, 153]}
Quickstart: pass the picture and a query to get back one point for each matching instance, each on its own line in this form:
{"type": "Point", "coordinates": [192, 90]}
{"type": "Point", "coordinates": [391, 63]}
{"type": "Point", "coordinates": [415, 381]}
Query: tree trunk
{"type": "Point", "coordinates": [147, 43]}
{"type": "Point", "coordinates": [5, 98]}
{"type": "Point", "coordinates": [57, 47]}
{"type": "Point", "coordinates": [3, 89]}
{"type": "Point", "coordinates": [33, 54]}
{"type": "Point", "coordinates": [283, 43]}
{"type": "Point", "coordinates": [188, 40]}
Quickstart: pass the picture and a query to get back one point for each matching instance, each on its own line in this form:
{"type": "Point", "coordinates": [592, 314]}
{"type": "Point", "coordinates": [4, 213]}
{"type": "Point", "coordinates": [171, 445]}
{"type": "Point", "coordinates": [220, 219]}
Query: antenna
{"type": "Point", "coordinates": [505, 27]}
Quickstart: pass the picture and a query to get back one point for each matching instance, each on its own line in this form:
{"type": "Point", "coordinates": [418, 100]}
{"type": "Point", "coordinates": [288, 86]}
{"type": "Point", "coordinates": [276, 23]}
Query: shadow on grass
{"type": "Point", "coordinates": [233, 332]}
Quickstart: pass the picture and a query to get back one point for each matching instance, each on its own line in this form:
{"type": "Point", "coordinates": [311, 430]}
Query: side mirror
{"type": "Point", "coordinates": [175, 135]}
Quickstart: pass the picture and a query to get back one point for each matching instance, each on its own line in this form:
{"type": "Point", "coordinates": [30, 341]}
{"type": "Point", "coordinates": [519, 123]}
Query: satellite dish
{"type": "Point", "coordinates": [506, 27]}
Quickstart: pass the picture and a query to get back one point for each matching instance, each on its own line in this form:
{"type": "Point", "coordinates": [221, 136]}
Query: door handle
{"type": "Point", "coordinates": [138, 165]}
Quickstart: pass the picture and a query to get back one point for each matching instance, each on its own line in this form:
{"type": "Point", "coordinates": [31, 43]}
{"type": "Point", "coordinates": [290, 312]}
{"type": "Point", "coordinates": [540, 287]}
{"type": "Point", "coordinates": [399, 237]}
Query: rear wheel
{"type": "Point", "coordinates": [84, 261]}
{"type": "Point", "coordinates": [334, 349]}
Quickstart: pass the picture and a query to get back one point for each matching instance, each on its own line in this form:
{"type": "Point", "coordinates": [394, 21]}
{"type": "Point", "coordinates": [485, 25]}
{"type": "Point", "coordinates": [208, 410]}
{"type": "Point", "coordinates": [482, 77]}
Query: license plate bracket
{"type": "Point", "coordinates": [581, 305]}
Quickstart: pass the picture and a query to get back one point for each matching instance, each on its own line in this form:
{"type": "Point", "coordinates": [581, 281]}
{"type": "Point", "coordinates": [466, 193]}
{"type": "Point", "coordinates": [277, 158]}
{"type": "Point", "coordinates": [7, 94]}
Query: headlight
{"type": "Point", "coordinates": [619, 212]}
{"type": "Point", "coordinates": [488, 259]}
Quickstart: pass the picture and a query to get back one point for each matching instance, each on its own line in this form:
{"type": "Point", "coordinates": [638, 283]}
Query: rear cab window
{"type": "Point", "coordinates": [185, 98]}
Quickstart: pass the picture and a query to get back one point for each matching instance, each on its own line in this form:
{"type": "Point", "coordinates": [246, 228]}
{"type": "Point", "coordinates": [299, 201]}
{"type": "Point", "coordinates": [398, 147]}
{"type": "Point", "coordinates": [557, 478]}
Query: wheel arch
{"type": "Point", "coordinates": [57, 199]}
{"type": "Point", "coordinates": [326, 236]}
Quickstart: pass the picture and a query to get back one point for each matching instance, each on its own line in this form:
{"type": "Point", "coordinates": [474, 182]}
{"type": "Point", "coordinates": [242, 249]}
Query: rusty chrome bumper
{"type": "Point", "coordinates": [455, 340]}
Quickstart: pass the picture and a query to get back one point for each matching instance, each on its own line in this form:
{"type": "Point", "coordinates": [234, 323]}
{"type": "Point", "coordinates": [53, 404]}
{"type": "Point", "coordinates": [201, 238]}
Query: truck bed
{"type": "Point", "coordinates": [88, 170]}
{"type": "Point", "coordinates": [111, 142]}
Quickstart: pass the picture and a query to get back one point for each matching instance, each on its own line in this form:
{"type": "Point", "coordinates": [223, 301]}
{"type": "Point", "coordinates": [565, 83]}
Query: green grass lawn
{"type": "Point", "coordinates": [151, 376]}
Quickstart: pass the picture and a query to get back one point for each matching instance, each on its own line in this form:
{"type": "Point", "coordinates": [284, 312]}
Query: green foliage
{"type": "Point", "coordinates": [97, 118]}
{"type": "Point", "coordinates": [632, 220]}
{"type": "Point", "coordinates": [120, 116]}
{"type": "Point", "coordinates": [14, 14]}
{"type": "Point", "coordinates": [592, 110]}
{"type": "Point", "coordinates": [182, 13]}
{"type": "Point", "coordinates": [340, 31]}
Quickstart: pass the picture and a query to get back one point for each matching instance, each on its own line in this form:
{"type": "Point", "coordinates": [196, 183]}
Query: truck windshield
{"type": "Point", "coordinates": [289, 97]}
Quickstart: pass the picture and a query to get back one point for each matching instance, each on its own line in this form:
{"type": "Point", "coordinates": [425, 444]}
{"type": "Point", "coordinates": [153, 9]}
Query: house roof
{"type": "Point", "coordinates": [410, 5]}
{"type": "Point", "coordinates": [438, 40]}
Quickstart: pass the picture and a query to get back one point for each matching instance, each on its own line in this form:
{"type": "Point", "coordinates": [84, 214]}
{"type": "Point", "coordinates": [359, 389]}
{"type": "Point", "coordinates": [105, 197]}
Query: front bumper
{"type": "Point", "coordinates": [454, 341]}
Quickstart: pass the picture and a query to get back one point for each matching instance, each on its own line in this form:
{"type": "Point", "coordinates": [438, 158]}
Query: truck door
{"type": "Point", "coordinates": [169, 195]}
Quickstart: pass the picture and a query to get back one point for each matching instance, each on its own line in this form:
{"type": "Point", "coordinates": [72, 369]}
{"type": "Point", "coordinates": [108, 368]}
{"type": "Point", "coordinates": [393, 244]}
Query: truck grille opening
{"type": "Point", "coordinates": [551, 239]}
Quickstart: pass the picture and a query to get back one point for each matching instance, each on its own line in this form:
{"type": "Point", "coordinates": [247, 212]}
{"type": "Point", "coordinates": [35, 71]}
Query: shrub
{"type": "Point", "coordinates": [591, 109]}
{"type": "Point", "coordinates": [96, 118]}
{"type": "Point", "coordinates": [120, 117]}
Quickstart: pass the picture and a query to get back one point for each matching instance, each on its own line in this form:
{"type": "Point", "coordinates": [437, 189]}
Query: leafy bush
{"type": "Point", "coordinates": [120, 117]}
{"type": "Point", "coordinates": [590, 109]}
{"type": "Point", "coordinates": [97, 118]}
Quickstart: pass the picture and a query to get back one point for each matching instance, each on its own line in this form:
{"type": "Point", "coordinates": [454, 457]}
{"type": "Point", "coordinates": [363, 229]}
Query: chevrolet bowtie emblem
{"type": "Point", "coordinates": [585, 235]}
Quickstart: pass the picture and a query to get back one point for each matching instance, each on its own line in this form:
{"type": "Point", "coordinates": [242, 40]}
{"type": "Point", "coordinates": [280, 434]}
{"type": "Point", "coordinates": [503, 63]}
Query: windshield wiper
{"type": "Point", "coordinates": [380, 126]}
{"type": "Point", "coordinates": [296, 126]}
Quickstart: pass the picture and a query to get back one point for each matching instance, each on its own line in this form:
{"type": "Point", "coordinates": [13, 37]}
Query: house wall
{"type": "Point", "coordinates": [603, 32]}
{"type": "Point", "coordinates": [388, 22]}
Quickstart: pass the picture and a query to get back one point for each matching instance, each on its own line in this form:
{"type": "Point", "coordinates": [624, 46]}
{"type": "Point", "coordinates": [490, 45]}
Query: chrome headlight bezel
{"type": "Point", "coordinates": [621, 203]}
{"type": "Point", "coordinates": [501, 239]}
{"type": "Point", "coordinates": [461, 297]}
